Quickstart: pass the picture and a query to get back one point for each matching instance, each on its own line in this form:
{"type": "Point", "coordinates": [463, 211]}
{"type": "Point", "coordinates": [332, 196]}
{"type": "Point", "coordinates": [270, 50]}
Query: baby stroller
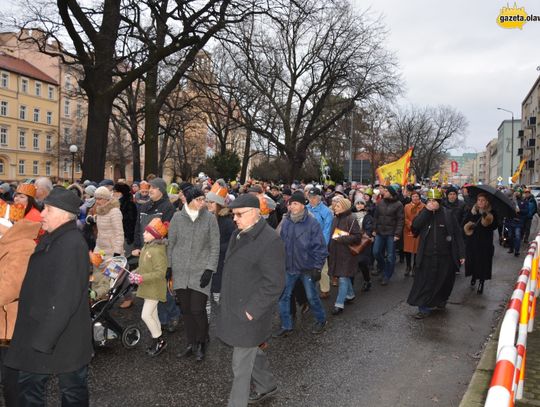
{"type": "Point", "coordinates": [104, 327]}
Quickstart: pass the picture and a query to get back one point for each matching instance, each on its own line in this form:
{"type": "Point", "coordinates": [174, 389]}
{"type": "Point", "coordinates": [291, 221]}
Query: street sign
{"type": "Point", "coordinates": [500, 179]}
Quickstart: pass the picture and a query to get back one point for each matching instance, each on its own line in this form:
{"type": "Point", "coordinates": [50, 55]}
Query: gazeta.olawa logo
{"type": "Point", "coordinates": [514, 17]}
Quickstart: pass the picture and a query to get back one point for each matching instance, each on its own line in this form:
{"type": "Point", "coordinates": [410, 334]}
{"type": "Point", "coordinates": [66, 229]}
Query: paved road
{"type": "Point", "coordinates": [374, 354]}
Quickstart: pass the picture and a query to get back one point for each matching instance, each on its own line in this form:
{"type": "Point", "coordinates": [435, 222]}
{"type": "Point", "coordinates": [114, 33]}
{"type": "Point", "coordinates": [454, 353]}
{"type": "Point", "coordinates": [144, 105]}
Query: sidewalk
{"type": "Point", "coordinates": [476, 393]}
{"type": "Point", "coordinates": [531, 393]}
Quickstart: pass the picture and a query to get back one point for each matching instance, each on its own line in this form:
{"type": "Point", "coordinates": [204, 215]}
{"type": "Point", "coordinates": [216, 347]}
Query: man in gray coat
{"type": "Point", "coordinates": [253, 279]}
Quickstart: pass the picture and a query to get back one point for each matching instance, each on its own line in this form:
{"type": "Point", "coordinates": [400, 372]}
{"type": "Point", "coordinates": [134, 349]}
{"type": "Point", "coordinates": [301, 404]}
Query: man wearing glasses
{"type": "Point", "coordinates": [253, 279]}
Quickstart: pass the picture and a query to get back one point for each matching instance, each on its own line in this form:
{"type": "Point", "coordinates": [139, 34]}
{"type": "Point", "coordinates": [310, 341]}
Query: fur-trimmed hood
{"type": "Point", "coordinates": [105, 209]}
{"type": "Point", "coordinates": [224, 212]}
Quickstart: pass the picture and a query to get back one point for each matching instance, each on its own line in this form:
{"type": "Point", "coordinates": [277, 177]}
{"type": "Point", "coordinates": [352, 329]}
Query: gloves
{"type": "Point", "coordinates": [205, 278]}
{"type": "Point", "coordinates": [90, 220]}
{"type": "Point", "coordinates": [135, 278]}
{"type": "Point", "coordinates": [315, 275]}
{"type": "Point", "coordinates": [168, 273]}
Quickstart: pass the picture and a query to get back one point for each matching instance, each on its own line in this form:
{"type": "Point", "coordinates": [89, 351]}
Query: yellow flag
{"type": "Point", "coordinates": [436, 176]}
{"type": "Point", "coordinates": [396, 171]}
{"type": "Point", "coordinates": [515, 177]}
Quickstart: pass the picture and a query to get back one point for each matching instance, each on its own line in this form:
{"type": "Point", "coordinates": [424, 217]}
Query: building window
{"type": "Point", "coordinates": [79, 111]}
{"type": "Point", "coordinates": [48, 142]}
{"type": "Point", "coordinates": [78, 136]}
{"type": "Point", "coordinates": [38, 88]}
{"type": "Point", "coordinates": [35, 141]}
{"type": "Point", "coordinates": [36, 114]}
{"type": "Point", "coordinates": [78, 167]}
{"type": "Point", "coordinates": [67, 135]}
{"type": "Point", "coordinates": [49, 117]}
{"type": "Point", "coordinates": [24, 85]}
{"type": "Point", "coordinates": [35, 168]}
{"type": "Point", "coordinates": [66, 108]}
{"type": "Point", "coordinates": [21, 167]}
{"type": "Point", "coordinates": [48, 169]}
{"type": "Point", "coordinates": [4, 80]}
{"type": "Point", "coordinates": [22, 139]}
{"type": "Point", "coordinates": [1, 166]}
{"type": "Point", "coordinates": [3, 136]}
{"type": "Point", "coordinates": [67, 82]}
{"type": "Point", "coordinates": [50, 92]}
{"type": "Point", "coordinates": [3, 108]}
{"type": "Point", "coordinates": [22, 112]}
{"type": "Point", "coordinates": [66, 163]}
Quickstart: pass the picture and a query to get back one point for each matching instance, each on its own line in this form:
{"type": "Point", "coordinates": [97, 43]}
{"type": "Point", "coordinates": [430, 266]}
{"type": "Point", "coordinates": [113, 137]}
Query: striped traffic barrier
{"type": "Point", "coordinates": [508, 377]}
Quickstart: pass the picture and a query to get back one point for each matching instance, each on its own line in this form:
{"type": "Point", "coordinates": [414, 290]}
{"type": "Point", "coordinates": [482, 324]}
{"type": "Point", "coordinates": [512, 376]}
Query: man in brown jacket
{"type": "Point", "coordinates": [16, 246]}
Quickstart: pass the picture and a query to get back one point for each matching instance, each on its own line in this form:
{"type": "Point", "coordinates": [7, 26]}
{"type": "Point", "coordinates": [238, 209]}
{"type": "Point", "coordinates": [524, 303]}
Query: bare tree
{"type": "Point", "coordinates": [310, 62]}
{"type": "Point", "coordinates": [96, 36]}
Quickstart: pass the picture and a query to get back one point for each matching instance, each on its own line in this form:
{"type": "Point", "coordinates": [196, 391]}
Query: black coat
{"type": "Point", "coordinates": [480, 249]}
{"type": "Point", "coordinates": [389, 218]}
{"type": "Point", "coordinates": [129, 218]}
{"type": "Point", "coordinates": [457, 208]}
{"type": "Point", "coordinates": [253, 280]}
{"type": "Point", "coordinates": [162, 208]}
{"type": "Point", "coordinates": [226, 228]}
{"type": "Point", "coordinates": [53, 332]}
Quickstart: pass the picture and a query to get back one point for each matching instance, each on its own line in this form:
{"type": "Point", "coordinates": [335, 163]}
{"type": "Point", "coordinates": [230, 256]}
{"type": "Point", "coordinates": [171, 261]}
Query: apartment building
{"type": "Point", "coordinates": [528, 136]}
{"type": "Point", "coordinates": [28, 120]}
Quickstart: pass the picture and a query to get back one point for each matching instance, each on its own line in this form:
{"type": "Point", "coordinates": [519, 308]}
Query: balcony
{"type": "Point", "coordinates": [521, 133]}
{"type": "Point", "coordinates": [531, 143]}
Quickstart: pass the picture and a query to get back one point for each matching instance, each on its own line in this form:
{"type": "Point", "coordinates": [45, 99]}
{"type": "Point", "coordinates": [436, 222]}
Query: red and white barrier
{"type": "Point", "coordinates": [508, 377]}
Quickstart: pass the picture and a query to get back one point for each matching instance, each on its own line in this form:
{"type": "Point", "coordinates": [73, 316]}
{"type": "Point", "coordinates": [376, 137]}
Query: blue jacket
{"type": "Point", "coordinates": [324, 216]}
{"type": "Point", "coordinates": [305, 248]}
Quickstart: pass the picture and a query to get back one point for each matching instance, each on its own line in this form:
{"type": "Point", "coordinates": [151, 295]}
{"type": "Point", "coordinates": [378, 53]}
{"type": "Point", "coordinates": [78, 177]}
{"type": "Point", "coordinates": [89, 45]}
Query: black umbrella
{"type": "Point", "coordinates": [499, 201]}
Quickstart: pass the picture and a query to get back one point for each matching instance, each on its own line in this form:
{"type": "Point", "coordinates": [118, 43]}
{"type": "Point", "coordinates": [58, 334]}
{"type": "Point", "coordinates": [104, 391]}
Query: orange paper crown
{"type": "Point", "coordinates": [27, 189]}
{"type": "Point", "coordinates": [220, 189]}
{"type": "Point", "coordinates": [16, 212]}
{"type": "Point", "coordinates": [157, 228]}
{"type": "Point", "coordinates": [3, 208]}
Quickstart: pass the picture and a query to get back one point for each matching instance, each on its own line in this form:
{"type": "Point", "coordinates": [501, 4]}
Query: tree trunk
{"type": "Point", "coordinates": [151, 124]}
{"type": "Point", "coordinates": [95, 147]}
{"type": "Point", "coordinates": [295, 165]}
{"type": "Point", "coordinates": [136, 154]}
{"type": "Point", "coordinates": [245, 158]}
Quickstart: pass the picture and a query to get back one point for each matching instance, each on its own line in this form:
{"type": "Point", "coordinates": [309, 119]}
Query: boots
{"type": "Point", "coordinates": [480, 289]}
{"type": "Point", "coordinates": [188, 351]}
{"type": "Point", "coordinates": [408, 271]}
{"type": "Point", "coordinates": [200, 351]}
{"type": "Point", "coordinates": [157, 347]}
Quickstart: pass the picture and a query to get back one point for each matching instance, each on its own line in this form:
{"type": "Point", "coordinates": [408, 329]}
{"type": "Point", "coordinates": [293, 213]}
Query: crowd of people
{"type": "Point", "coordinates": [241, 250]}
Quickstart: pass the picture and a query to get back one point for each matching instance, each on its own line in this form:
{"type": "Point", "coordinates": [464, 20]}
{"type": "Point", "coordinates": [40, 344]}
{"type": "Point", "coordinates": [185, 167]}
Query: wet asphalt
{"type": "Point", "coordinates": [373, 354]}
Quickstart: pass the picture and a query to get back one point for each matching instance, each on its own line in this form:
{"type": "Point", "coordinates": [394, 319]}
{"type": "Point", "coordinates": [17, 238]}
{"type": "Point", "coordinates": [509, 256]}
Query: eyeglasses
{"type": "Point", "coordinates": [239, 214]}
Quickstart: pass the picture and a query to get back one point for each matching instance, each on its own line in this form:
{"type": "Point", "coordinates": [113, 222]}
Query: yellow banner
{"type": "Point", "coordinates": [436, 176]}
{"type": "Point", "coordinates": [395, 172]}
{"type": "Point", "coordinates": [515, 177]}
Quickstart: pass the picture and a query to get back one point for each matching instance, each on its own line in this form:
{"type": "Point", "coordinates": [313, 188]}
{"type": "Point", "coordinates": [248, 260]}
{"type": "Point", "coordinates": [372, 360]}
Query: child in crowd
{"type": "Point", "coordinates": [151, 279]}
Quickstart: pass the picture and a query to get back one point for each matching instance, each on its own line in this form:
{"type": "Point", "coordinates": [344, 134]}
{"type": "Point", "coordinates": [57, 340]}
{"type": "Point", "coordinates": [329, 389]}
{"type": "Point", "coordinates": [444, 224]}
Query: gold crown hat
{"type": "Point", "coordinates": [26, 189]}
{"type": "Point", "coordinates": [218, 193]}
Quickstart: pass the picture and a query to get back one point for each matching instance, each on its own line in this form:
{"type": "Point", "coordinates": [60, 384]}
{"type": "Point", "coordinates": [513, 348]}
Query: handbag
{"type": "Point", "coordinates": [363, 244]}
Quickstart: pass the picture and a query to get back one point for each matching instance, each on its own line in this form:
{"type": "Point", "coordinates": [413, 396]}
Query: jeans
{"type": "Point", "coordinates": [345, 292]}
{"type": "Point", "coordinates": [73, 388]}
{"type": "Point", "coordinates": [384, 250]}
{"type": "Point", "coordinates": [312, 296]}
{"type": "Point", "coordinates": [516, 235]}
{"type": "Point", "coordinates": [168, 311]}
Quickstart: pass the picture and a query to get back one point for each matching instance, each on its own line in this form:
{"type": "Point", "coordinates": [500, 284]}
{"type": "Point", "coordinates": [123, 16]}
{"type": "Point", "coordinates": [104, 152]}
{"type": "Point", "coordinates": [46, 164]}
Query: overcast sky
{"type": "Point", "coordinates": [454, 53]}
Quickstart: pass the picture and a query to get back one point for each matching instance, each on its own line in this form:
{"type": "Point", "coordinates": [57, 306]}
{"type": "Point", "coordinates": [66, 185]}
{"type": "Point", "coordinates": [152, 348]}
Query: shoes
{"type": "Point", "coordinates": [473, 282]}
{"type": "Point", "coordinates": [157, 347]}
{"type": "Point", "coordinates": [384, 281]}
{"type": "Point", "coordinates": [282, 333]}
{"type": "Point", "coordinates": [200, 351]}
{"type": "Point", "coordinates": [375, 272]}
{"type": "Point", "coordinates": [318, 328]}
{"type": "Point", "coordinates": [441, 306]}
{"type": "Point", "coordinates": [349, 300]}
{"type": "Point", "coordinates": [324, 295]}
{"type": "Point", "coordinates": [408, 271]}
{"type": "Point", "coordinates": [187, 352]}
{"type": "Point", "coordinates": [366, 286]}
{"type": "Point", "coordinates": [126, 304]}
{"type": "Point", "coordinates": [335, 281]}
{"type": "Point", "coordinates": [171, 327]}
{"type": "Point", "coordinates": [516, 254]}
{"type": "Point", "coordinates": [480, 289]}
{"type": "Point", "coordinates": [413, 271]}
{"type": "Point", "coordinates": [510, 250]}
{"type": "Point", "coordinates": [255, 397]}
{"type": "Point", "coordinates": [337, 311]}
{"type": "Point", "coordinates": [421, 315]}
{"type": "Point", "coordinates": [305, 308]}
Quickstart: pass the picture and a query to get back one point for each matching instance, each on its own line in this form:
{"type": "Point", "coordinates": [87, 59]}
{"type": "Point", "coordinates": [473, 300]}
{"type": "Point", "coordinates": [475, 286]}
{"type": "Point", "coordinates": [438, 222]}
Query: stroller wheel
{"type": "Point", "coordinates": [131, 336]}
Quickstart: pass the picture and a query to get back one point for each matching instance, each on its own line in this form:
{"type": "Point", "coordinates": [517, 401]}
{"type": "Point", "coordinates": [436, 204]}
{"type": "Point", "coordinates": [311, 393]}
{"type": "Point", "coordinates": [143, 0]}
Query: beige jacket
{"type": "Point", "coordinates": [110, 232]}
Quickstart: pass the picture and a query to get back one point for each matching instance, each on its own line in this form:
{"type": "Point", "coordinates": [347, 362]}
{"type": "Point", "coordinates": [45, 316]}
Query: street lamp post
{"type": "Point", "coordinates": [73, 150]}
{"type": "Point", "coordinates": [351, 148]}
{"type": "Point", "coordinates": [512, 140]}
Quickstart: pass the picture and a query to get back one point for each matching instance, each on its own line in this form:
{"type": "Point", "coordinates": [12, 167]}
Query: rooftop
{"type": "Point", "coordinates": [16, 65]}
